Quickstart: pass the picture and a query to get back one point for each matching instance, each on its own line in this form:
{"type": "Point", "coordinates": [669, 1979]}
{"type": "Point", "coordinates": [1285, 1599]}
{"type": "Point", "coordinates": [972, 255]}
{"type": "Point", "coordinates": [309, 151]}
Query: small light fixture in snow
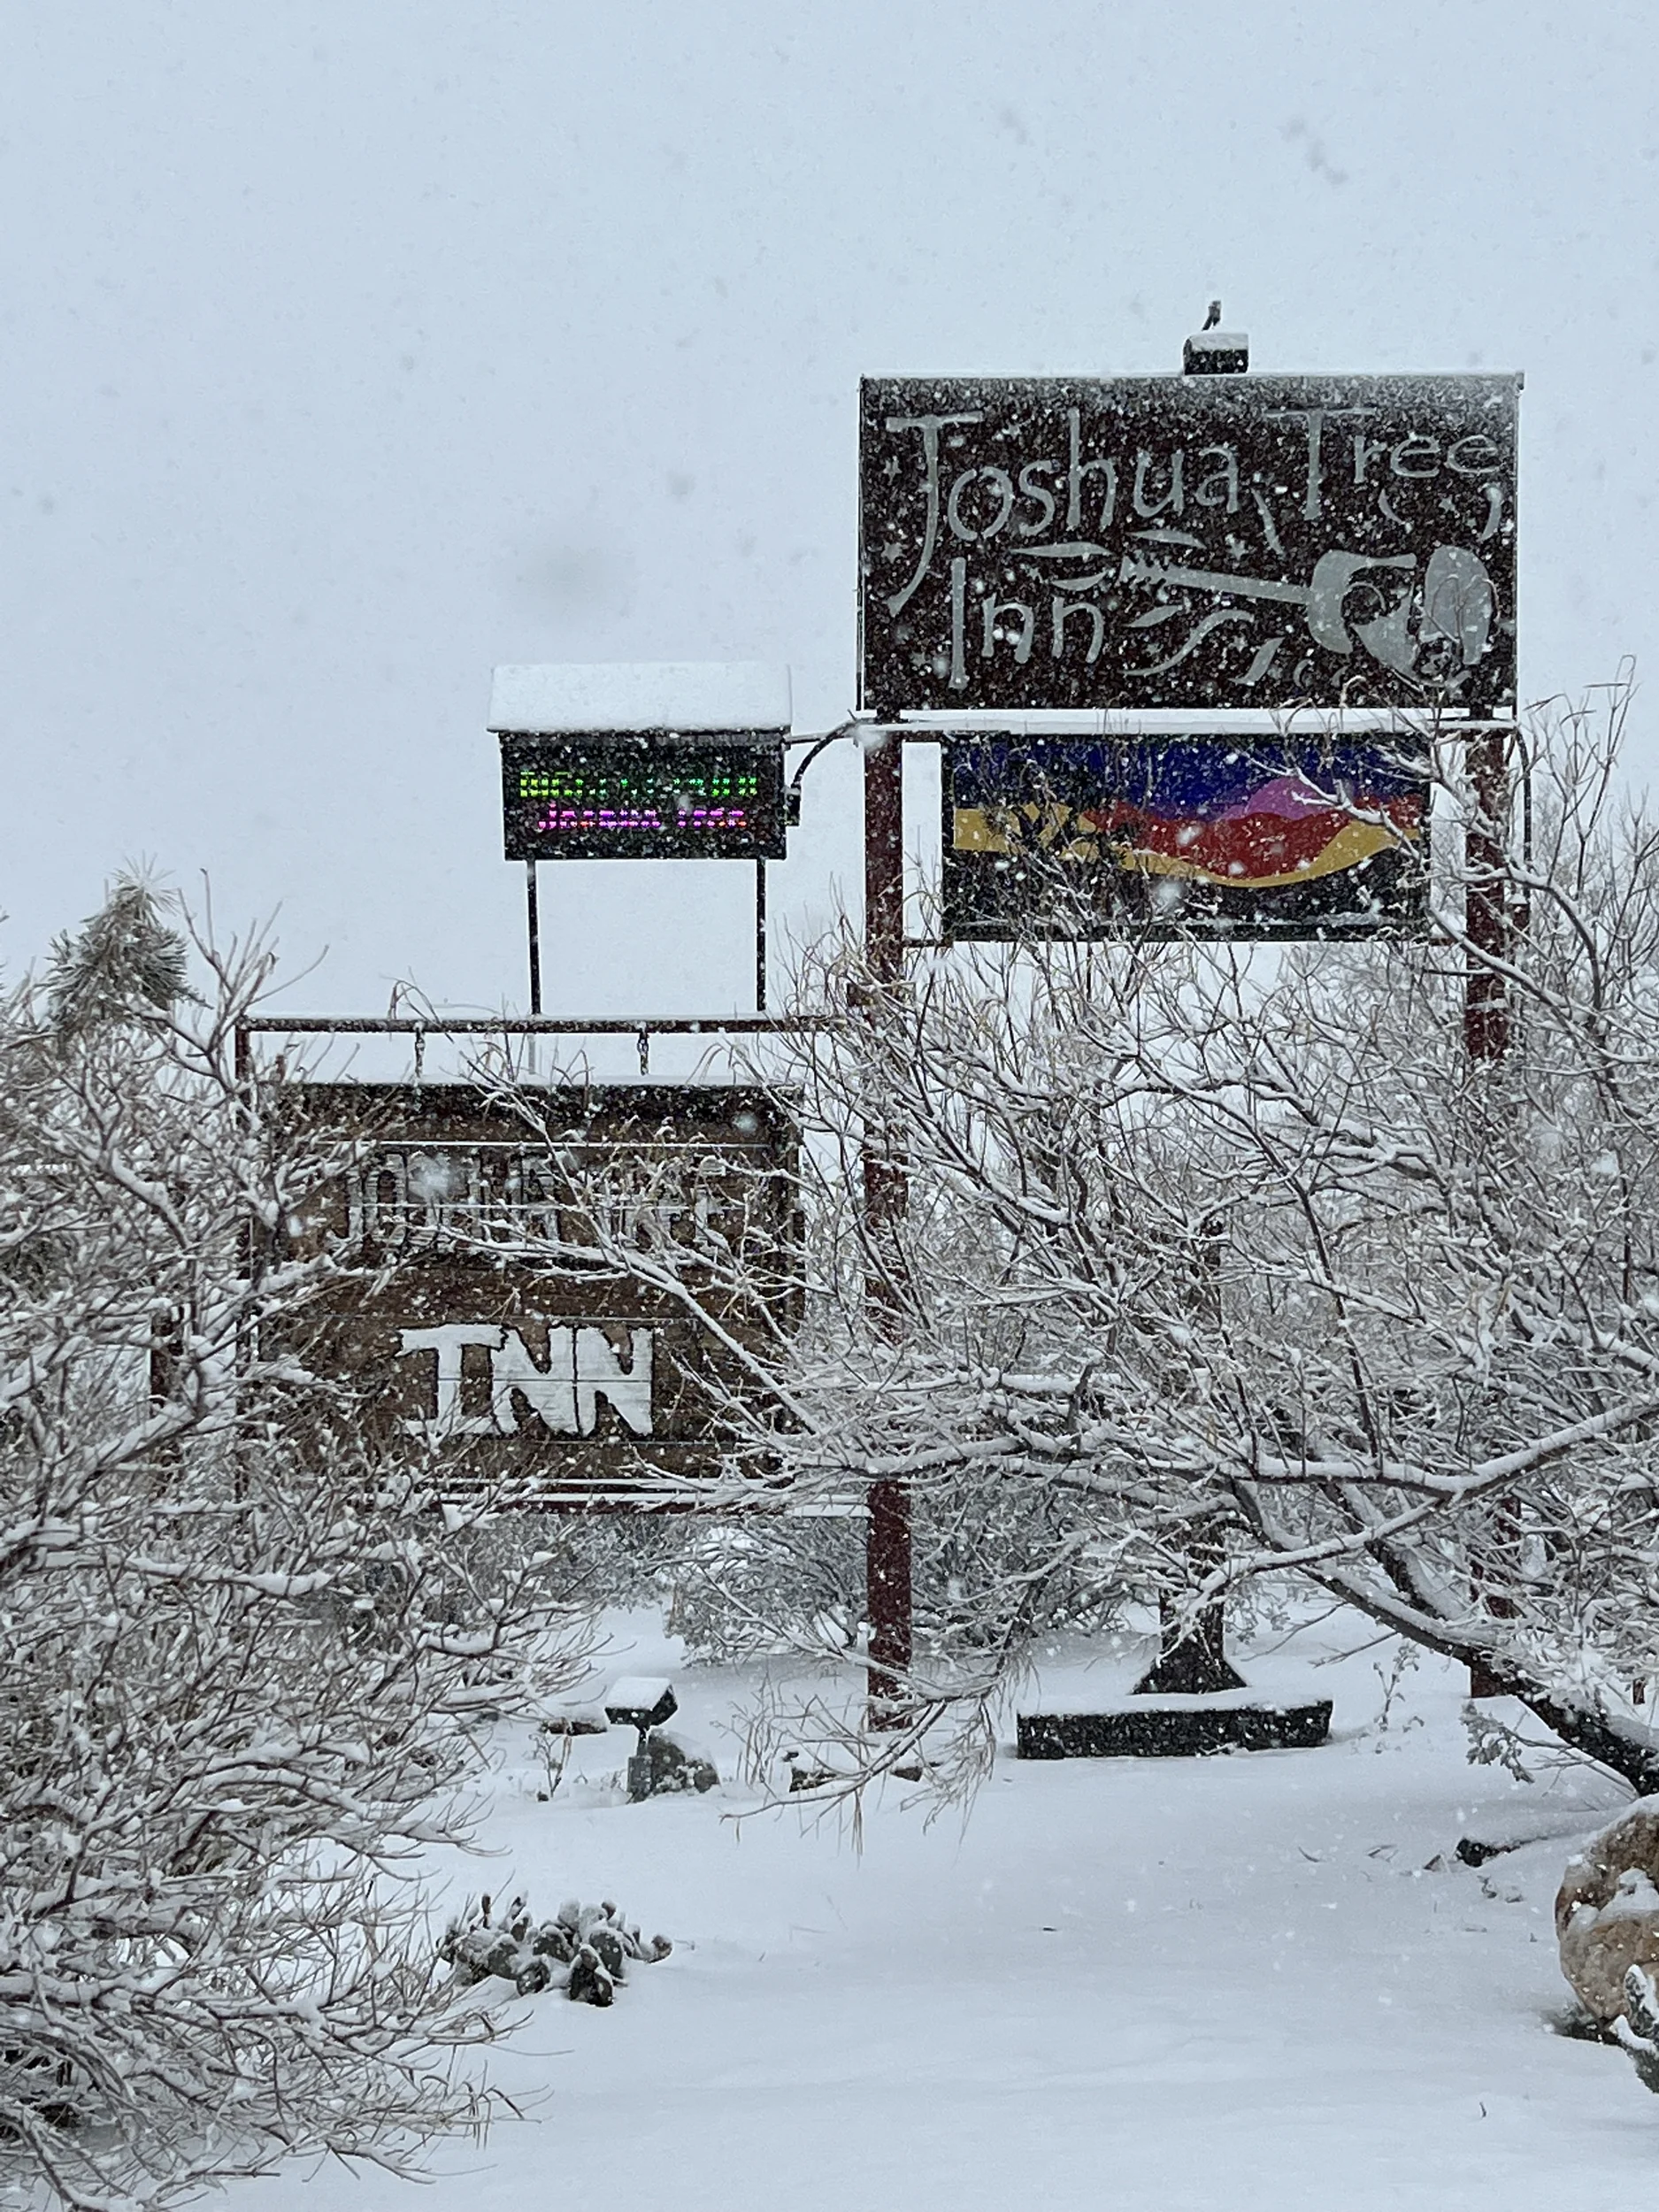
{"type": "Point", "coordinates": [644, 1701]}
{"type": "Point", "coordinates": [1215, 351]}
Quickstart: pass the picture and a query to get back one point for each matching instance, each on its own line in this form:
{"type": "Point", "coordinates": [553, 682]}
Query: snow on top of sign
{"type": "Point", "coordinates": [637, 1693]}
{"type": "Point", "coordinates": [640, 696]}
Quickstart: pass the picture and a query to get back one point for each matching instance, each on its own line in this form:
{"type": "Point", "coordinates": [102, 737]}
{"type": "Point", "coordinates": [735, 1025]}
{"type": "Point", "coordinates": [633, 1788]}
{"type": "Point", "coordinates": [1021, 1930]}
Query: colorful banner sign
{"type": "Point", "coordinates": [1176, 836]}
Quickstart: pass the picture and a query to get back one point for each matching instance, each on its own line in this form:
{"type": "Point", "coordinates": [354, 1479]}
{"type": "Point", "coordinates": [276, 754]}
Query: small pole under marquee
{"type": "Point", "coordinates": [533, 924]}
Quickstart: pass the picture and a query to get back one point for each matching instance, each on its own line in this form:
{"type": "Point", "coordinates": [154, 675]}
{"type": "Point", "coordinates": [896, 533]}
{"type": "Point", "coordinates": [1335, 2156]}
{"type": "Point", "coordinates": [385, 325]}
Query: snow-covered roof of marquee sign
{"type": "Point", "coordinates": [589, 695]}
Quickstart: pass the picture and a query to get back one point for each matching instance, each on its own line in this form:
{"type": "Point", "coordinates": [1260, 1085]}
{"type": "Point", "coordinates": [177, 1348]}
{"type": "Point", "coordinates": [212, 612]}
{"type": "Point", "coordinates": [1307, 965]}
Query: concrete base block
{"type": "Point", "coordinates": [1176, 1728]}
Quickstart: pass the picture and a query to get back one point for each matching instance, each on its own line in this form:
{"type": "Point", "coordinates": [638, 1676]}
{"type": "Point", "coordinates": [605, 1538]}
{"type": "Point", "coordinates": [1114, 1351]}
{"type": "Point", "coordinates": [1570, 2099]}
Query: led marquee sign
{"type": "Point", "coordinates": [645, 796]}
{"type": "Point", "coordinates": [642, 760]}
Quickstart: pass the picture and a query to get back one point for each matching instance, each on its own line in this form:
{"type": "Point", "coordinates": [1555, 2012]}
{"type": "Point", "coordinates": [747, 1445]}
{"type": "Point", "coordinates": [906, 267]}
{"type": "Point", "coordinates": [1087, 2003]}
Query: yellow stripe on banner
{"type": "Point", "coordinates": [975, 829]}
{"type": "Point", "coordinates": [972, 831]}
{"type": "Point", "coordinates": [1358, 842]}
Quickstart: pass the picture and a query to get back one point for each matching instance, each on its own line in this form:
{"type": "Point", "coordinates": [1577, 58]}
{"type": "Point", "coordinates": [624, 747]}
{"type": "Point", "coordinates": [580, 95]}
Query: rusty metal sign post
{"type": "Point", "coordinates": [1490, 924]}
{"type": "Point", "coordinates": [887, 1555]}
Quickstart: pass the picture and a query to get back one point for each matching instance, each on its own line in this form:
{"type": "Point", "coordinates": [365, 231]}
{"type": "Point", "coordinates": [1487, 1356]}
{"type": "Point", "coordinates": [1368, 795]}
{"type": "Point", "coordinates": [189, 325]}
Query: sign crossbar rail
{"type": "Point", "coordinates": [643, 1028]}
{"type": "Point", "coordinates": [939, 727]}
{"type": "Point", "coordinates": [530, 1026]}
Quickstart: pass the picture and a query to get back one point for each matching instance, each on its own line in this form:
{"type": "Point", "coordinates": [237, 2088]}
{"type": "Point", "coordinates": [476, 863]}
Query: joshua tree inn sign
{"type": "Point", "coordinates": [1187, 541]}
{"type": "Point", "coordinates": [555, 1312]}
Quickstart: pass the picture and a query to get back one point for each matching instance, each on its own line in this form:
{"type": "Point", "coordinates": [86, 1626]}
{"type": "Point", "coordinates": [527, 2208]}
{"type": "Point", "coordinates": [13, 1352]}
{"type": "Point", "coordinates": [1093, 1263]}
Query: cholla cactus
{"type": "Point", "coordinates": [583, 1949]}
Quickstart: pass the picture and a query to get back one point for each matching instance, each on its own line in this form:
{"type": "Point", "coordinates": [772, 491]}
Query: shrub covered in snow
{"type": "Point", "coordinates": [242, 1680]}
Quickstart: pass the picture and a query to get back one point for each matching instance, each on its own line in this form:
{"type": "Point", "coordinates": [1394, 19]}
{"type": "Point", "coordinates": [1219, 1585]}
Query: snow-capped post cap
{"type": "Point", "coordinates": [1216, 353]}
{"type": "Point", "coordinates": [640, 1701]}
{"type": "Point", "coordinates": [545, 699]}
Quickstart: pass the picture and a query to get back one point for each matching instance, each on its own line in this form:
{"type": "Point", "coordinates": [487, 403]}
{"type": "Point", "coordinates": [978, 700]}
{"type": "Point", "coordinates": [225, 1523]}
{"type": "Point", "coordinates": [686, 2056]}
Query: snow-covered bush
{"type": "Point", "coordinates": [1243, 1259]}
{"type": "Point", "coordinates": [240, 1680]}
{"type": "Point", "coordinates": [1214, 1264]}
{"type": "Point", "coordinates": [740, 1588]}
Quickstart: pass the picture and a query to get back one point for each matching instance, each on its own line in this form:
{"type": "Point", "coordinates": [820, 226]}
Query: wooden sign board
{"type": "Point", "coordinates": [1238, 837]}
{"type": "Point", "coordinates": [507, 1319]}
{"type": "Point", "coordinates": [1184, 542]}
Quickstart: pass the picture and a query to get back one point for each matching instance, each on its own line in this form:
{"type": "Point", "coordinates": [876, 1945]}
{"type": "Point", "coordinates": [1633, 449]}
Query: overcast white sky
{"type": "Point", "coordinates": [348, 352]}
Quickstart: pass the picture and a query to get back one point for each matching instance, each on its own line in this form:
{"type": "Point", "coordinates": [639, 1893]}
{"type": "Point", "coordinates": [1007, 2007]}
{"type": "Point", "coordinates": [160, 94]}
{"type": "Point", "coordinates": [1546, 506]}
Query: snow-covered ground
{"type": "Point", "coordinates": [1256, 1981]}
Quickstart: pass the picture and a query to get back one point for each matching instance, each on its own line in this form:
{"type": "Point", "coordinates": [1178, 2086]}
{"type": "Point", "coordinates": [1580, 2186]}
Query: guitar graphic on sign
{"type": "Point", "coordinates": [1454, 608]}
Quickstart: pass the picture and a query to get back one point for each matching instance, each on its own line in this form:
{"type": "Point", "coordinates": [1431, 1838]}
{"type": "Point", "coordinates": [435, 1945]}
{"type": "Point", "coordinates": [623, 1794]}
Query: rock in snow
{"type": "Point", "coordinates": [1607, 1911]}
{"type": "Point", "coordinates": [674, 1768]}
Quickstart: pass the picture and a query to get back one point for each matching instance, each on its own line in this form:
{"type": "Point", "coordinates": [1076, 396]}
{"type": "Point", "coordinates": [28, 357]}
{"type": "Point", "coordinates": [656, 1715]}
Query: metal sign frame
{"type": "Point", "coordinates": [631, 760]}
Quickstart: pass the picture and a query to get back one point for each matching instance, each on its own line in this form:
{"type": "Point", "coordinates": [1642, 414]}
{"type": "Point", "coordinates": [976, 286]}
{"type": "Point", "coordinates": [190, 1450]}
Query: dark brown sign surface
{"type": "Point", "coordinates": [1186, 541]}
{"type": "Point", "coordinates": [509, 1315]}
